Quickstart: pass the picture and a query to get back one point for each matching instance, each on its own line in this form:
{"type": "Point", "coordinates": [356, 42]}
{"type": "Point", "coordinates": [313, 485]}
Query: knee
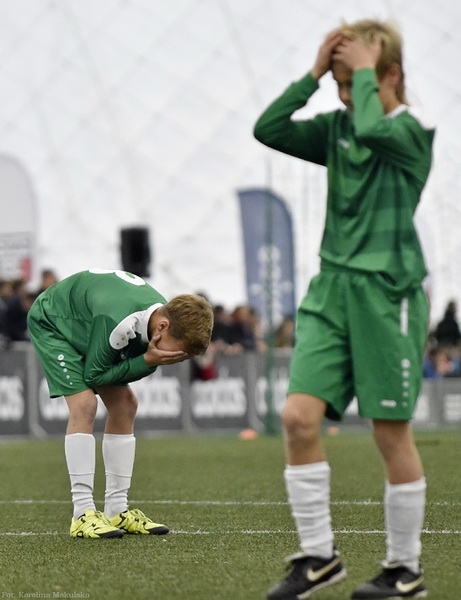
{"type": "Point", "coordinates": [82, 412]}
{"type": "Point", "coordinates": [84, 417]}
{"type": "Point", "coordinates": [298, 426]}
{"type": "Point", "coordinates": [130, 403]}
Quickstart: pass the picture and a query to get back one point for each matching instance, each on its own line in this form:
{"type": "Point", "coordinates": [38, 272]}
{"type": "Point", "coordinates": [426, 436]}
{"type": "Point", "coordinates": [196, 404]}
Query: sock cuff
{"type": "Point", "coordinates": [405, 495]}
{"type": "Point", "coordinates": [414, 486]}
{"type": "Point", "coordinates": [309, 470]}
{"type": "Point", "coordinates": [116, 436]}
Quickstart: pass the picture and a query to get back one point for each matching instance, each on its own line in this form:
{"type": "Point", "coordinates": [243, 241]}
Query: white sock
{"type": "Point", "coordinates": [308, 488]}
{"type": "Point", "coordinates": [118, 453]}
{"type": "Point", "coordinates": [80, 451]}
{"type": "Point", "coordinates": [404, 506]}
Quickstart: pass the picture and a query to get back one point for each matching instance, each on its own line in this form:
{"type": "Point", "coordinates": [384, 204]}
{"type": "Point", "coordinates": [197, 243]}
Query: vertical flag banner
{"type": "Point", "coordinates": [269, 254]}
{"type": "Point", "coordinates": [17, 222]}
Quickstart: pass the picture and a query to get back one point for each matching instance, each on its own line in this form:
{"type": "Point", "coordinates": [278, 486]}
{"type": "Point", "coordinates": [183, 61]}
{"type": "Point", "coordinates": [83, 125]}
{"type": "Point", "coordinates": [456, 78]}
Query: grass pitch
{"type": "Point", "coordinates": [225, 502]}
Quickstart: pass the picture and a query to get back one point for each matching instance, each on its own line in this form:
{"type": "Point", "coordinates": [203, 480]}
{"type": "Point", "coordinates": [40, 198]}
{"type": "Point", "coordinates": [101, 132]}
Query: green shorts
{"type": "Point", "coordinates": [62, 363]}
{"type": "Point", "coordinates": [354, 339]}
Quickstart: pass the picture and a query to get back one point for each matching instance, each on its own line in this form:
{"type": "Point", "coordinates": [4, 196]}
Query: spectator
{"type": "Point", "coordinates": [257, 328]}
{"type": "Point", "coordinates": [203, 367]}
{"type": "Point", "coordinates": [18, 305]}
{"type": "Point", "coordinates": [241, 329]}
{"type": "Point", "coordinates": [48, 278]}
{"type": "Point", "coordinates": [220, 335]}
{"type": "Point", "coordinates": [6, 291]}
{"type": "Point", "coordinates": [438, 362]}
{"type": "Point", "coordinates": [447, 332]}
{"type": "Point", "coordinates": [284, 334]}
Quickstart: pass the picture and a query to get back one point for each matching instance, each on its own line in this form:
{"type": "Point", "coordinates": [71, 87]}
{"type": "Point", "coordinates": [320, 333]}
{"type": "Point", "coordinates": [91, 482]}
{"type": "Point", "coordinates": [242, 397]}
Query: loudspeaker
{"type": "Point", "coordinates": [135, 251]}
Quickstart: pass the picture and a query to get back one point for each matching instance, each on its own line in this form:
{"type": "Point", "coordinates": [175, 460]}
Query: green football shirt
{"type": "Point", "coordinates": [104, 316]}
{"type": "Point", "coordinates": [377, 166]}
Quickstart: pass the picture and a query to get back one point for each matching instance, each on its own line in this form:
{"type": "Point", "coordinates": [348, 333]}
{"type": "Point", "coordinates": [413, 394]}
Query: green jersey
{"type": "Point", "coordinates": [104, 316]}
{"type": "Point", "coordinates": [377, 166]}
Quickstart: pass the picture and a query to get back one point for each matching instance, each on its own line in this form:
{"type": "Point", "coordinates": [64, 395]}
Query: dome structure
{"type": "Point", "coordinates": [132, 112]}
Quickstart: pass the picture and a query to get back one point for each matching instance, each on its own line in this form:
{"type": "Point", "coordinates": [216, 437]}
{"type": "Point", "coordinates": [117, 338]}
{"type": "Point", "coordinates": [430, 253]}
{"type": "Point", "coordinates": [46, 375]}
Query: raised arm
{"type": "Point", "coordinates": [304, 139]}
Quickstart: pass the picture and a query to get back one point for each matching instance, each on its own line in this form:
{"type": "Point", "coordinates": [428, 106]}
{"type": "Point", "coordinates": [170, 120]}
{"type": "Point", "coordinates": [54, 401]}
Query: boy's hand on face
{"type": "Point", "coordinates": [356, 54]}
{"type": "Point", "coordinates": [325, 54]}
{"type": "Point", "coordinates": [155, 357]}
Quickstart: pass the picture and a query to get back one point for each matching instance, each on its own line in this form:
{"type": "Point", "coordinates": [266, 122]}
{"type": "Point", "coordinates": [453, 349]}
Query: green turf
{"type": "Point", "coordinates": [225, 502]}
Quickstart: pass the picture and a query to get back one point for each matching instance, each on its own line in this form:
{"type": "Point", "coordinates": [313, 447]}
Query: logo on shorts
{"type": "Point", "coordinates": [62, 363]}
{"type": "Point", "coordinates": [388, 403]}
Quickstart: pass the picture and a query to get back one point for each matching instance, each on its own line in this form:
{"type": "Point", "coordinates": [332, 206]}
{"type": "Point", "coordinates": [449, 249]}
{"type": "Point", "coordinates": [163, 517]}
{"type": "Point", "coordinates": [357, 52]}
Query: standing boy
{"type": "Point", "coordinates": [362, 327]}
{"type": "Point", "coordinates": [95, 332]}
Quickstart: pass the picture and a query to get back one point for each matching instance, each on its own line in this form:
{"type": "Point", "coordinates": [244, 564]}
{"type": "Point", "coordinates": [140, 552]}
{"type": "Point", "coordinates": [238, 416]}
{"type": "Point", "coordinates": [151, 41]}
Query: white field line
{"type": "Point", "coordinates": [241, 532]}
{"type": "Point", "coordinates": [230, 503]}
{"type": "Point", "coordinates": [222, 502]}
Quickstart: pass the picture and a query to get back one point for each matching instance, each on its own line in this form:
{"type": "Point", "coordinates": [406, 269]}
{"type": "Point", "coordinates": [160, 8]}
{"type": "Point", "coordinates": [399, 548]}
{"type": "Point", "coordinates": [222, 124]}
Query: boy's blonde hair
{"type": "Point", "coordinates": [391, 46]}
{"type": "Point", "coordinates": [191, 320]}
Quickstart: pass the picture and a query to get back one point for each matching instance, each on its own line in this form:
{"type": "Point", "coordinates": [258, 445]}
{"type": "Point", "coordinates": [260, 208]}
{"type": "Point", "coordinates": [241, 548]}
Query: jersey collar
{"type": "Point", "coordinates": [144, 322]}
{"type": "Point", "coordinates": [396, 111]}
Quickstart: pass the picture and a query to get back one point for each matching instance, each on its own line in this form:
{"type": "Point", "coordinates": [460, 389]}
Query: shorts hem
{"type": "Point", "coordinates": [385, 418]}
{"type": "Point", "coordinates": [331, 411]}
{"type": "Point", "coordinates": [57, 394]}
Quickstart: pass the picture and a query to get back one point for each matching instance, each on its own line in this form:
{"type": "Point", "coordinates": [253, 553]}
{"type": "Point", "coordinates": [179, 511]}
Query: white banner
{"type": "Point", "coordinates": [17, 220]}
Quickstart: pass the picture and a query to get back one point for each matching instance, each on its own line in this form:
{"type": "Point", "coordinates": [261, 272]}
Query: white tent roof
{"type": "Point", "coordinates": [134, 112]}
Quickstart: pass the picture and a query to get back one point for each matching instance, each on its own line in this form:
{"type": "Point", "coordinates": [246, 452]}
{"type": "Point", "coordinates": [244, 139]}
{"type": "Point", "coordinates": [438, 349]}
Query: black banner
{"type": "Point", "coordinates": [168, 401]}
{"type": "Point", "coordinates": [14, 392]}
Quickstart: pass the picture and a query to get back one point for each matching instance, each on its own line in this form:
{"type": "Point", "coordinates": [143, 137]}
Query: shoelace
{"type": "Point", "coordinates": [95, 520]}
{"type": "Point", "coordinates": [138, 513]}
{"type": "Point", "coordinates": [102, 516]}
{"type": "Point", "coordinates": [138, 517]}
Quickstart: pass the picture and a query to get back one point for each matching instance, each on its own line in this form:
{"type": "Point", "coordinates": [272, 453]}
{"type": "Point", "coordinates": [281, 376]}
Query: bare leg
{"type": "Point", "coordinates": [396, 445]}
{"type": "Point", "coordinates": [302, 417]}
{"type": "Point", "coordinates": [405, 491]}
{"type": "Point", "coordinates": [121, 405]}
{"type": "Point", "coordinates": [82, 411]}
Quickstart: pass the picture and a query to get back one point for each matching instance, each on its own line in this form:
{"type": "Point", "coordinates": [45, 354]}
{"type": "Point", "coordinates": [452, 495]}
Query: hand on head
{"type": "Point", "coordinates": [324, 56]}
{"type": "Point", "coordinates": [352, 51]}
{"type": "Point", "coordinates": [356, 54]}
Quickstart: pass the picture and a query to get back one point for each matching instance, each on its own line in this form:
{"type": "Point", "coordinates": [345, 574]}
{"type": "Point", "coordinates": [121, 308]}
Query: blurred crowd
{"type": "Point", "coordinates": [15, 301]}
{"type": "Point", "coordinates": [235, 331]}
{"type": "Point", "coordinates": [443, 352]}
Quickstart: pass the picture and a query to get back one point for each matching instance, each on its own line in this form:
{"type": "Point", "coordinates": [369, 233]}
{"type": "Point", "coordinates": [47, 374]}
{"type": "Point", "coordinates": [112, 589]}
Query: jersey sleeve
{"type": "Point", "coordinates": [101, 366]}
{"type": "Point", "coordinates": [305, 139]}
{"type": "Point", "coordinates": [402, 141]}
